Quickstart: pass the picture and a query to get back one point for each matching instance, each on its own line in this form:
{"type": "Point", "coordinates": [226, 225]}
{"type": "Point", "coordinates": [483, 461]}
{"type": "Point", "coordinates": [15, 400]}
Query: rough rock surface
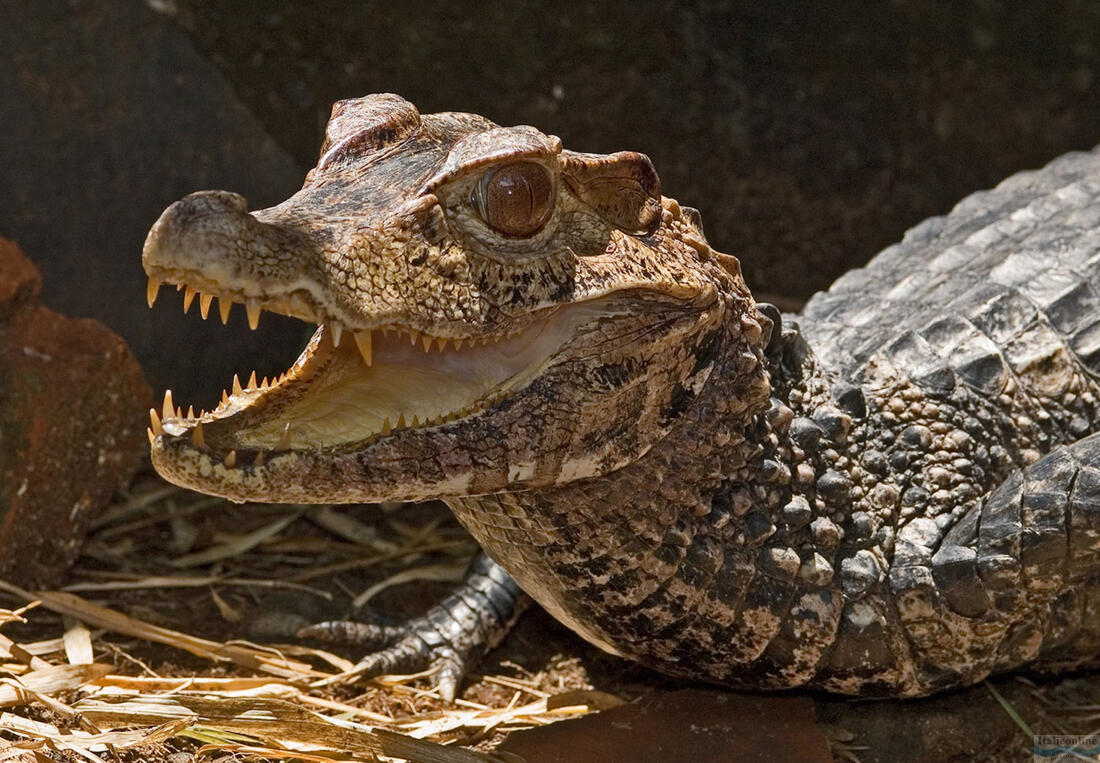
{"type": "Point", "coordinates": [72, 403]}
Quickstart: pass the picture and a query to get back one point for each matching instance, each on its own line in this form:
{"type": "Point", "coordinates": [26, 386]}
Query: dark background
{"type": "Point", "coordinates": [810, 135]}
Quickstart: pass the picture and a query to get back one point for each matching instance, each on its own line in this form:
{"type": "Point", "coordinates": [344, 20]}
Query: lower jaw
{"type": "Point", "coordinates": [374, 473]}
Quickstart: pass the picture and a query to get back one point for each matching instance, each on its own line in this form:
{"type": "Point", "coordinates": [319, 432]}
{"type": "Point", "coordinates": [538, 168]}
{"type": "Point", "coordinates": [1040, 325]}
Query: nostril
{"type": "Point", "coordinates": [203, 203]}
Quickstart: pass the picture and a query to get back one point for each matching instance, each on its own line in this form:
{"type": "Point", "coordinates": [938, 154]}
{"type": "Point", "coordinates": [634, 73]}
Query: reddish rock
{"type": "Point", "coordinates": [72, 407]}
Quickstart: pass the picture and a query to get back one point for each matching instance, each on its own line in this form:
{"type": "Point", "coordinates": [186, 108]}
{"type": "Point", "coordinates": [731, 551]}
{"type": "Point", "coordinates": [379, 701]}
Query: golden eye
{"type": "Point", "coordinates": [516, 199]}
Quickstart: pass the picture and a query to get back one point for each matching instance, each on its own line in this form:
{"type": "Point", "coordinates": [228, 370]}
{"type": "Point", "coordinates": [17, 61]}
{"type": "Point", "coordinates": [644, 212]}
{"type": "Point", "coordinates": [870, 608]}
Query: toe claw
{"type": "Point", "coordinates": [448, 674]}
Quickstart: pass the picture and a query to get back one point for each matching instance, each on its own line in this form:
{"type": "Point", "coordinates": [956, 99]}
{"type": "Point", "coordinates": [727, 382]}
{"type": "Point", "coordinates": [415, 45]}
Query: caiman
{"type": "Point", "coordinates": [894, 492]}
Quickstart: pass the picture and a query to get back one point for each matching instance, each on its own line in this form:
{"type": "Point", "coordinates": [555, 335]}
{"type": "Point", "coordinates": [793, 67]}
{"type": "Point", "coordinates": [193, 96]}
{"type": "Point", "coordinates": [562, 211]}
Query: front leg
{"type": "Point", "coordinates": [450, 637]}
{"type": "Point", "coordinates": [1016, 580]}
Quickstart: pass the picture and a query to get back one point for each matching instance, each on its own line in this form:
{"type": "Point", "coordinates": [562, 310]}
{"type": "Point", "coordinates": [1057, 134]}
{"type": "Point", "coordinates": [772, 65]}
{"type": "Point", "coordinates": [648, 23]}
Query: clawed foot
{"type": "Point", "coordinates": [450, 637]}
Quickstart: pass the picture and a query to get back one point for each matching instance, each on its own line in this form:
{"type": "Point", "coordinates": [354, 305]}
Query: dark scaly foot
{"type": "Point", "coordinates": [448, 638]}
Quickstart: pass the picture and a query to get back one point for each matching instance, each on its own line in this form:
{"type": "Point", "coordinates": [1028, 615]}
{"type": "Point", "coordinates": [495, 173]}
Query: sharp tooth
{"type": "Point", "coordinates": [413, 336]}
{"type": "Point", "coordinates": [259, 458]}
{"type": "Point", "coordinates": [337, 333]}
{"type": "Point", "coordinates": [168, 410]}
{"type": "Point", "coordinates": [254, 311]}
{"type": "Point", "coordinates": [415, 421]}
{"type": "Point", "coordinates": [190, 411]}
{"type": "Point", "coordinates": [252, 381]}
{"type": "Point", "coordinates": [284, 441]}
{"type": "Point", "coordinates": [386, 428]}
{"type": "Point", "coordinates": [231, 459]}
{"type": "Point", "coordinates": [263, 384]}
{"type": "Point", "coordinates": [204, 303]}
{"type": "Point", "coordinates": [401, 420]}
{"type": "Point", "coordinates": [237, 385]}
{"type": "Point", "coordinates": [225, 397]}
{"type": "Point", "coordinates": [442, 344]}
{"type": "Point", "coordinates": [427, 340]}
{"type": "Point", "coordinates": [188, 297]}
{"type": "Point", "coordinates": [197, 438]}
{"type": "Point", "coordinates": [152, 436]}
{"type": "Point", "coordinates": [179, 287]}
{"type": "Point", "coordinates": [458, 344]}
{"type": "Point", "coordinates": [225, 304]}
{"type": "Point", "coordinates": [154, 422]}
{"type": "Point", "coordinates": [365, 345]}
{"type": "Point", "coordinates": [151, 290]}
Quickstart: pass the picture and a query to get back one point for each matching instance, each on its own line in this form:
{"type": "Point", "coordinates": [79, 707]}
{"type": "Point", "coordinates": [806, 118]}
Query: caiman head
{"type": "Point", "coordinates": [494, 314]}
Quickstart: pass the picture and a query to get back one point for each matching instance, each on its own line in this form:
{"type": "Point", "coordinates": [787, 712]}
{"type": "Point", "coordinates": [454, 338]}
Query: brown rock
{"type": "Point", "coordinates": [72, 402]}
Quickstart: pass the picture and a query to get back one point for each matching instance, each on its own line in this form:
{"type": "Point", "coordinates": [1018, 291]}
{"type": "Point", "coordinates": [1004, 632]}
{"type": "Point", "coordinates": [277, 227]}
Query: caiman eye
{"type": "Point", "coordinates": [515, 199]}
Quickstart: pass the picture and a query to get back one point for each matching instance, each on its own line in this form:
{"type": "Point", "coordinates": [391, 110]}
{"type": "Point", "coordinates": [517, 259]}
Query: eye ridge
{"type": "Point", "coordinates": [516, 199]}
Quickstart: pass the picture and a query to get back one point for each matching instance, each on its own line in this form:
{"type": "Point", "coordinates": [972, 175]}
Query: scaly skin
{"type": "Point", "coordinates": [895, 495]}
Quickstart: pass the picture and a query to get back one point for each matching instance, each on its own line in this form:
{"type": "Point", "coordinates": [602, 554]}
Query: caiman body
{"type": "Point", "coordinates": [895, 492]}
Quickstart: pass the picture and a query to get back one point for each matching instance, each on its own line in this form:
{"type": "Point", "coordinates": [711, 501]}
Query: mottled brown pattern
{"type": "Point", "coordinates": [896, 492]}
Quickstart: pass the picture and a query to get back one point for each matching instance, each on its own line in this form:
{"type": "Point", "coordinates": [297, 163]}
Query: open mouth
{"type": "Point", "coordinates": [348, 387]}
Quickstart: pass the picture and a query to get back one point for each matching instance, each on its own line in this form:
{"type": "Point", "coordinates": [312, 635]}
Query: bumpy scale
{"type": "Point", "coordinates": [896, 492]}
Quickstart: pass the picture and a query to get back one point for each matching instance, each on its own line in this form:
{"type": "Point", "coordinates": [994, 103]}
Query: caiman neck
{"type": "Point", "coordinates": [678, 500]}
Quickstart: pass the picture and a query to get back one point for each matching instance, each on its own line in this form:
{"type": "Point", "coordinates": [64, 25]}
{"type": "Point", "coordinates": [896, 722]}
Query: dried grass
{"type": "Point", "coordinates": [71, 693]}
